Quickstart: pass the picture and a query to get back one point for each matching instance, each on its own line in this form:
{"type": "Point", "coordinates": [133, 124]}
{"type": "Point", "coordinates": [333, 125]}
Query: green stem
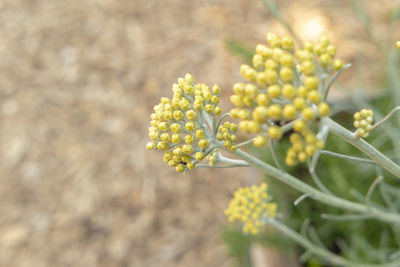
{"type": "Point", "coordinates": [341, 156]}
{"type": "Point", "coordinates": [379, 123]}
{"type": "Point", "coordinates": [333, 79]}
{"type": "Point", "coordinates": [317, 194]}
{"type": "Point", "coordinates": [319, 251]}
{"type": "Point", "coordinates": [363, 146]}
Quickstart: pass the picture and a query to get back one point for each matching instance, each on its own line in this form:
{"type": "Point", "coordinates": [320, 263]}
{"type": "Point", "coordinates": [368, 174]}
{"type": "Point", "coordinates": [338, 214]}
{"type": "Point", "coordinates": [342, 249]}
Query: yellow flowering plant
{"type": "Point", "coordinates": [283, 97]}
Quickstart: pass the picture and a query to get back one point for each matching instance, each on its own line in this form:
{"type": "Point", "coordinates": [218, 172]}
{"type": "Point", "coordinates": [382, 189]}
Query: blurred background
{"type": "Point", "coordinates": [78, 80]}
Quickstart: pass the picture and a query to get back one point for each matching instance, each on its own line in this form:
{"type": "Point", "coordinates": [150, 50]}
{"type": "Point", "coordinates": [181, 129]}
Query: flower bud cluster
{"type": "Point", "coordinates": [227, 134]}
{"type": "Point", "coordinates": [251, 205]}
{"type": "Point", "coordinates": [363, 122]}
{"type": "Point", "coordinates": [283, 87]}
{"type": "Point", "coordinates": [212, 158]}
{"type": "Point", "coordinates": [181, 126]}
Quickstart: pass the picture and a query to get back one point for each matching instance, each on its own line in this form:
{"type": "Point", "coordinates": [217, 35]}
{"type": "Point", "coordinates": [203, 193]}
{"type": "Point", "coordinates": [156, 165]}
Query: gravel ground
{"type": "Point", "coordinates": [77, 82]}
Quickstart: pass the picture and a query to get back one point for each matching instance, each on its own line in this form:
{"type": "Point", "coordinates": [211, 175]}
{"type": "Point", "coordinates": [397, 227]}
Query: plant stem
{"type": "Point", "coordinates": [379, 123]}
{"type": "Point", "coordinates": [341, 156]}
{"type": "Point", "coordinates": [317, 194]}
{"type": "Point", "coordinates": [363, 146]}
{"type": "Point", "coordinates": [274, 156]}
{"type": "Point", "coordinates": [319, 251]}
{"type": "Point", "coordinates": [333, 79]}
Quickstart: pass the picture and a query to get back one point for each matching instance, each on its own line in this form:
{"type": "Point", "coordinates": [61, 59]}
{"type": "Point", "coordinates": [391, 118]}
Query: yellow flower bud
{"type": "Point", "coordinates": [180, 168]}
{"type": "Point", "coordinates": [299, 103]}
{"type": "Point", "coordinates": [247, 72]}
{"type": "Point", "coordinates": [262, 100]}
{"type": "Point", "coordinates": [331, 50]}
{"type": "Point", "coordinates": [154, 135]}
{"type": "Point", "coordinates": [289, 112]}
{"type": "Point", "coordinates": [260, 114]}
{"type": "Point", "coordinates": [227, 144]}
{"type": "Point", "coordinates": [277, 54]}
{"type": "Point", "coordinates": [298, 146]}
{"type": "Point", "coordinates": [191, 115]}
{"type": "Point", "coordinates": [294, 137]}
{"type": "Point", "coordinates": [190, 126]}
{"type": "Point", "coordinates": [176, 138]}
{"type": "Point", "coordinates": [258, 61]}
{"type": "Point", "coordinates": [310, 138]}
{"type": "Point", "coordinates": [248, 101]}
{"type": "Point", "coordinates": [254, 126]}
{"type": "Point", "coordinates": [263, 50]}
{"type": "Point", "coordinates": [250, 90]}
{"type": "Point", "coordinates": [324, 41]}
{"type": "Point", "coordinates": [184, 104]}
{"type": "Point", "coordinates": [286, 74]}
{"type": "Point", "coordinates": [198, 105]}
{"type": "Point", "coordinates": [338, 64]}
{"type": "Point", "coordinates": [208, 108]}
{"type": "Point", "coordinates": [311, 83]}
{"type": "Point", "coordinates": [271, 64]}
{"type": "Point", "coordinates": [299, 125]}
{"type": "Point", "coordinates": [177, 151]}
{"type": "Point", "coordinates": [274, 91]}
{"type": "Point", "coordinates": [308, 113]}
{"type": "Point", "coordinates": [178, 115]}
{"type": "Point", "coordinates": [238, 88]}
{"type": "Point", "coordinates": [166, 137]}
{"type": "Point", "coordinates": [275, 132]}
{"type": "Point", "coordinates": [189, 139]}
{"type": "Point", "coordinates": [325, 60]}
{"type": "Point", "coordinates": [186, 158]}
{"type": "Point", "coordinates": [151, 145]}
{"type": "Point", "coordinates": [302, 91]}
{"type": "Point", "coordinates": [290, 162]}
{"type": "Point", "coordinates": [314, 97]}
{"type": "Point", "coordinates": [163, 126]}
{"type": "Point", "coordinates": [167, 115]}
{"type": "Point", "coordinates": [302, 157]}
{"type": "Point", "coordinates": [203, 143]}
{"type": "Point", "coordinates": [287, 43]}
{"type": "Point", "coordinates": [319, 49]}
{"type": "Point", "coordinates": [260, 141]}
{"type": "Point", "coordinates": [273, 40]}
{"type": "Point", "coordinates": [167, 156]}
{"type": "Point", "coordinates": [217, 110]}
{"type": "Point", "coordinates": [275, 111]}
{"type": "Point", "coordinates": [199, 134]}
{"type": "Point", "coordinates": [172, 163]}
{"type": "Point", "coordinates": [308, 68]}
{"type": "Point", "coordinates": [323, 109]}
{"type": "Point", "coordinates": [261, 79]}
{"type": "Point", "coordinates": [271, 76]}
{"type": "Point", "coordinates": [215, 99]}
{"type": "Point", "coordinates": [199, 156]}
{"type": "Point", "coordinates": [162, 146]}
{"type": "Point", "coordinates": [187, 149]}
{"type": "Point", "coordinates": [287, 60]}
{"type": "Point", "coordinates": [288, 91]}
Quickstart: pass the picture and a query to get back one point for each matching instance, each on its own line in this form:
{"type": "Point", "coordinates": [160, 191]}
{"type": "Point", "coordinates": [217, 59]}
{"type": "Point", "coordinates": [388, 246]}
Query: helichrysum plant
{"type": "Point", "coordinates": [283, 97]}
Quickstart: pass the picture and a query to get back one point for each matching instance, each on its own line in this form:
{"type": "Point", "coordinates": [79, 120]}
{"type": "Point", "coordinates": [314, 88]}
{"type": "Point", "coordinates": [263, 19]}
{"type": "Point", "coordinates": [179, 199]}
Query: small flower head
{"type": "Point", "coordinates": [251, 206]}
{"type": "Point", "coordinates": [181, 126]}
{"type": "Point", "coordinates": [285, 86]}
{"type": "Point", "coordinates": [363, 122]}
